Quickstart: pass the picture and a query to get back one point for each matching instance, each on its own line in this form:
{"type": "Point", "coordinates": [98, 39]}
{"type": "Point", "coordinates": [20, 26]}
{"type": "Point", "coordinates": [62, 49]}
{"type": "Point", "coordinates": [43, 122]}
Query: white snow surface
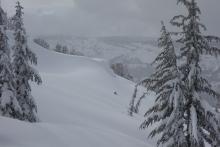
{"type": "Point", "coordinates": [77, 107]}
{"type": "Point", "coordinates": [135, 53]}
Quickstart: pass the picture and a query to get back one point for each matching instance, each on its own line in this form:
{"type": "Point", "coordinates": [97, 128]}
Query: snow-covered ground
{"type": "Point", "coordinates": [135, 53]}
{"type": "Point", "coordinates": [82, 103]}
{"type": "Point", "coordinates": [77, 107]}
{"type": "Point", "coordinates": [108, 47]}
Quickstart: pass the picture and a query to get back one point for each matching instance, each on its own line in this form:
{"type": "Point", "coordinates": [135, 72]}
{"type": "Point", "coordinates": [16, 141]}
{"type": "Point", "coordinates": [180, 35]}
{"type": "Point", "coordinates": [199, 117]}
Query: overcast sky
{"type": "Point", "coordinates": [107, 17]}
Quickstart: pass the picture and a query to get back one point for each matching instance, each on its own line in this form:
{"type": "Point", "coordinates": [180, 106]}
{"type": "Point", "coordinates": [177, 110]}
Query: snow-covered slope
{"type": "Point", "coordinates": [136, 53]}
{"type": "Point", "coordinates": [108, 47]}
{"type": "Point", "coordinates": [117, 49]}
{"type": "Point", "coordinates": [77, 107]}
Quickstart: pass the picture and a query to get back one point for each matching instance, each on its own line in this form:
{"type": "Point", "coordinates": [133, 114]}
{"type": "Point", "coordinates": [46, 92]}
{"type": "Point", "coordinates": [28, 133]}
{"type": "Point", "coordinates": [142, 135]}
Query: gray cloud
{"type": "Point", "coordinates": [107, 17]}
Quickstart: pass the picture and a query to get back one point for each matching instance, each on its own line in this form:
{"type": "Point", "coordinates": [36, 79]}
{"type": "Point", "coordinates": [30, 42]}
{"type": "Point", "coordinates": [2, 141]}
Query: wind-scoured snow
{"type": "Point", "coordinates": [81, 103]}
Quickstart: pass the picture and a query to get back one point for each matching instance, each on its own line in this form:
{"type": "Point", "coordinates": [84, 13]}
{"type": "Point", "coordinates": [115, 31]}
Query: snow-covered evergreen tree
{"type": "Point", "coordinates": [58, 48]}
{"type": "Point", "coordinates": [3, 17]}
{"type": "Point", "coordinates": [200, 118]}
{"type": "Point", "coordinates": [194, 121]}
{"type": "Point", "coordinates": [24, 72]}
{"type": "Point", "coordinates": [168, 108]}
{"type": "Point", "coordinates": [9, 105]}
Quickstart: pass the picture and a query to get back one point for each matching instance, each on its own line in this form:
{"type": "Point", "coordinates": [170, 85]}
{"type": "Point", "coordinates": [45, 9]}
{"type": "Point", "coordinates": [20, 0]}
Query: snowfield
{"type": "Point", "coordinates": [130, 51]}
{"type": "Point", "coordinates": [80, 104]}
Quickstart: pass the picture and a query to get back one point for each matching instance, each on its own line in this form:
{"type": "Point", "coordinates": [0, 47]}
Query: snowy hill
{"type": "Point", "coordinates": [107, 47]}
{"type": "Point", "coordinates": [136, 53]}
{"type": "Point", "coordinates": [81, 103]}
{"type": "Point", "coordinates": [124, 50]}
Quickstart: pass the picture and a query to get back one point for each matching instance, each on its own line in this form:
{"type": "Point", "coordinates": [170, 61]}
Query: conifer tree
{"type": "Point", "coordinates": [24, 72]}
{"type": "Point", "coordinates": [201, 122]}
{"type": "Point", "coordinates": [190, 121]}
{"type": "Point", "coordinates": [9, 105]}
{"type": "Point", "coordinates": [168, 107]}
